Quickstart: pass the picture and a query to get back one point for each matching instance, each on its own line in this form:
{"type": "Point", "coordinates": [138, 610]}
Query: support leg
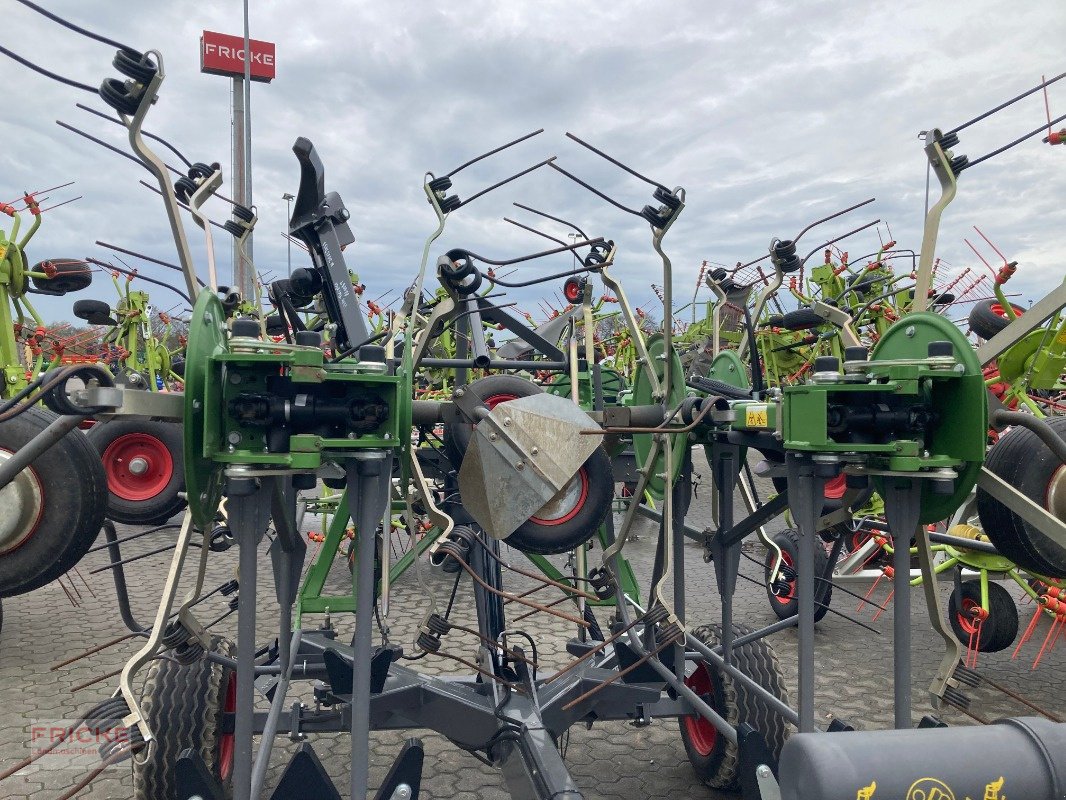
{"type": "Point", "coordinates": [902, 508]}
{"type": "Point", "coordinates": [725, 461]}
{"type": "Point", "coordinates": [248, 517]}
{"type": "Point", "coordinates": [369, 478]}
{"type": "Point", "coordinates": [806, 492]}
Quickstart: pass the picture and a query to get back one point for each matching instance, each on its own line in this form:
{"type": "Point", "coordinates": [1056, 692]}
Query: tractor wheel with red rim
{"type": "Point", "coordinates": [989, 317]}
{"type": "Point", "coordinates": [782, 592]}
{"type": "Point", "coordinates": [998, 630]}
{"type": "Point", "coordinates": [185, 705]}
{"type": "Point", "coordinates": [715, 759]}
{"type": "Point", "coordinates": [52, 511]}
{"type": "Point", "coordinates": [145, 469]}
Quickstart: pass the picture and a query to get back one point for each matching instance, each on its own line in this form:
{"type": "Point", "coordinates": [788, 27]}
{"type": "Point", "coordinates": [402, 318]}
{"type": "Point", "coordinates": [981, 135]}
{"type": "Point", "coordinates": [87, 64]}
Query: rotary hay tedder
{"type": "Point", "coordinates": [263, 420]}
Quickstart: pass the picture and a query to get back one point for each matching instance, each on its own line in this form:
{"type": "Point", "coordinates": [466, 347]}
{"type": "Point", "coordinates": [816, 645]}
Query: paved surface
{"type": "Point", "coordinates": [611, 760]}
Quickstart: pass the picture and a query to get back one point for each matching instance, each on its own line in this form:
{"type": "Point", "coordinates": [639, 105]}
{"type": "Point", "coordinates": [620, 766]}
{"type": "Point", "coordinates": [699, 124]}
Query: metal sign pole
{"type": "Point", "coordinates": [237, 167]}
{"type": "Point", "coordinates": [247, 275]}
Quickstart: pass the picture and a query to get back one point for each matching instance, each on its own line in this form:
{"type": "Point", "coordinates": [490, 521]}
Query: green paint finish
{"type": "Point", "coordinates": [643, 395]}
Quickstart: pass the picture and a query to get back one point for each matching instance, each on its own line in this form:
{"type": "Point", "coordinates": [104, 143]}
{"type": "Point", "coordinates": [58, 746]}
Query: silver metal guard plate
{"type": "Point", "coordinates": [521, 455]}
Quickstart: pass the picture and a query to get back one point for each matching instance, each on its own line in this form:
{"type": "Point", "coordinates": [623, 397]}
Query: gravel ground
{"type": "Point", "coordinates": [608, 761]}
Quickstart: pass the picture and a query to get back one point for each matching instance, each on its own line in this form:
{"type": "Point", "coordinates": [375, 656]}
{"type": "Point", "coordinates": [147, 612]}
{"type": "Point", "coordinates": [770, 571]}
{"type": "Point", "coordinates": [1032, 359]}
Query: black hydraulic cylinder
{"type": "Point", "coordinates": [1015, 758]}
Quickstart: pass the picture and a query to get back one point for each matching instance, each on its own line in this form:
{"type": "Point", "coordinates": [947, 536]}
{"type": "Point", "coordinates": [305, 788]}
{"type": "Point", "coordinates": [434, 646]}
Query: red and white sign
{"type": "Point", "coordinates": [222, 54]}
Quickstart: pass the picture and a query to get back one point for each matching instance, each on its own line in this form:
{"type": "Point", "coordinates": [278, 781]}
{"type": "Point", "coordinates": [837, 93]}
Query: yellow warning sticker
{"type": "Point", "coordinates": [755, 417]}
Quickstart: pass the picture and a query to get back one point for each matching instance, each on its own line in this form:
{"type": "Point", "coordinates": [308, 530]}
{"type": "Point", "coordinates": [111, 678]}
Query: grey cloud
{"type": "Point", "coordinates": [769, 114]}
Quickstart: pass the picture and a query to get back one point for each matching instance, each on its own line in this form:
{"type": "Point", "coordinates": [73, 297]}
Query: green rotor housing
{"type": "Point", "coordinates": [219, 370]}
{"type": "Point", "coordinates": [643, 394]}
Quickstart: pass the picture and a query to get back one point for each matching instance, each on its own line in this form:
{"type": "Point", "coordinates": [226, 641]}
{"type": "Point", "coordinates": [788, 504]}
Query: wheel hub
{"type": "Point", "coordinates": [1056, 493]}
{"type": "Point", "coordinates": [138, 466]}
{"type": "Point", "coordinates": [566, 503]}
{"type": "Point", "coordinates": [702, 734]}
{"type": "Point", "coordinates": [21, 504]}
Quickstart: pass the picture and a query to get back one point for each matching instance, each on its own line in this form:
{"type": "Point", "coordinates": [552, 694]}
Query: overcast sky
{"type": "Point", "coordinates": [770, 114]}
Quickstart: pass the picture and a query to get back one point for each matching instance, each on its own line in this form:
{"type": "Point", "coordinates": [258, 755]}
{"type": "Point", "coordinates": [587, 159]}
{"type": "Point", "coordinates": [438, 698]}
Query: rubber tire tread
{"type": "Point", "coordinates": [73, 510]}
{"type": "Point", "coordinates": [154, 510]}
{"type": "Point", "coordinates": [86, 309]}
{"type": "Point", "coordinates": [1026, 463]}
{"type": "Point", "coordinates": [789, 540]}
{"type": "Point", "coordinates": [984, 322]}
{"type": "Point", "coordinates": [1000, 629]}
{"type": "Point", "coordinates": [757, 660]}
{"type": "Point", "coordinates": [72, 275]}
{"type": "Point", "coordinates": [183, 706]}
{"type": "Point", "coordinates": [802, 319]}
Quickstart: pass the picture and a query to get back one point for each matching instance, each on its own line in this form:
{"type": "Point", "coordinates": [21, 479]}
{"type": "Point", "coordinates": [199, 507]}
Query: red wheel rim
{"type": "Point", "coordinates": [858, 539]}
{"type": "Point", "coordinates": [702, 735]}
{"type": "Point", "coordinates": [569, 515]}
{"type": "Point", "coordinates": [786, 561]}
{"type": "Point", "coordinates": [967, 621]}
{"type": "Point", "coordinates": [1000, 311]}
{"type": "Point", "coordinates": [572, 290]}
{"type": "Point", "coordinates": [225, 741]}
{"type": "Point", "coordinates": [835, 487]}
{"type": "Point", "coordinates": [138, 466]}
{"type": "Point", "coordinates": [494, 400]}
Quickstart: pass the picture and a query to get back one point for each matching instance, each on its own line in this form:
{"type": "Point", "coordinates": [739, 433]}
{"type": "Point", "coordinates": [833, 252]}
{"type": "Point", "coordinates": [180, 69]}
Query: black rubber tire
{"type": "Point", "coordinates": [95, 312]}
{"type": "Point", "coordinates": [162, 505]}
{"type": "Point", "coordinates": [802, 319]}
{"type": "Point", "coordinates": [986, 323]}
{"type": "Point", "coordinates": [183, 706]}
{"type": "Point", "coordinates": [457, 434]}
{"type": "Point", "coordinates": [549, 539]}
{"type": "Point", "coordinates": [72, 275]}
{"type": "Point", "coordinates": [1027, 464]}
{"type": "Point", "coordinates": [788, 540]}
{"type": "Point", "coordinates": [999, 629]}
{"type": "Point", "coordinates": [737, 704]}
{"type": "Point", "coordinates": [73, 492]}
